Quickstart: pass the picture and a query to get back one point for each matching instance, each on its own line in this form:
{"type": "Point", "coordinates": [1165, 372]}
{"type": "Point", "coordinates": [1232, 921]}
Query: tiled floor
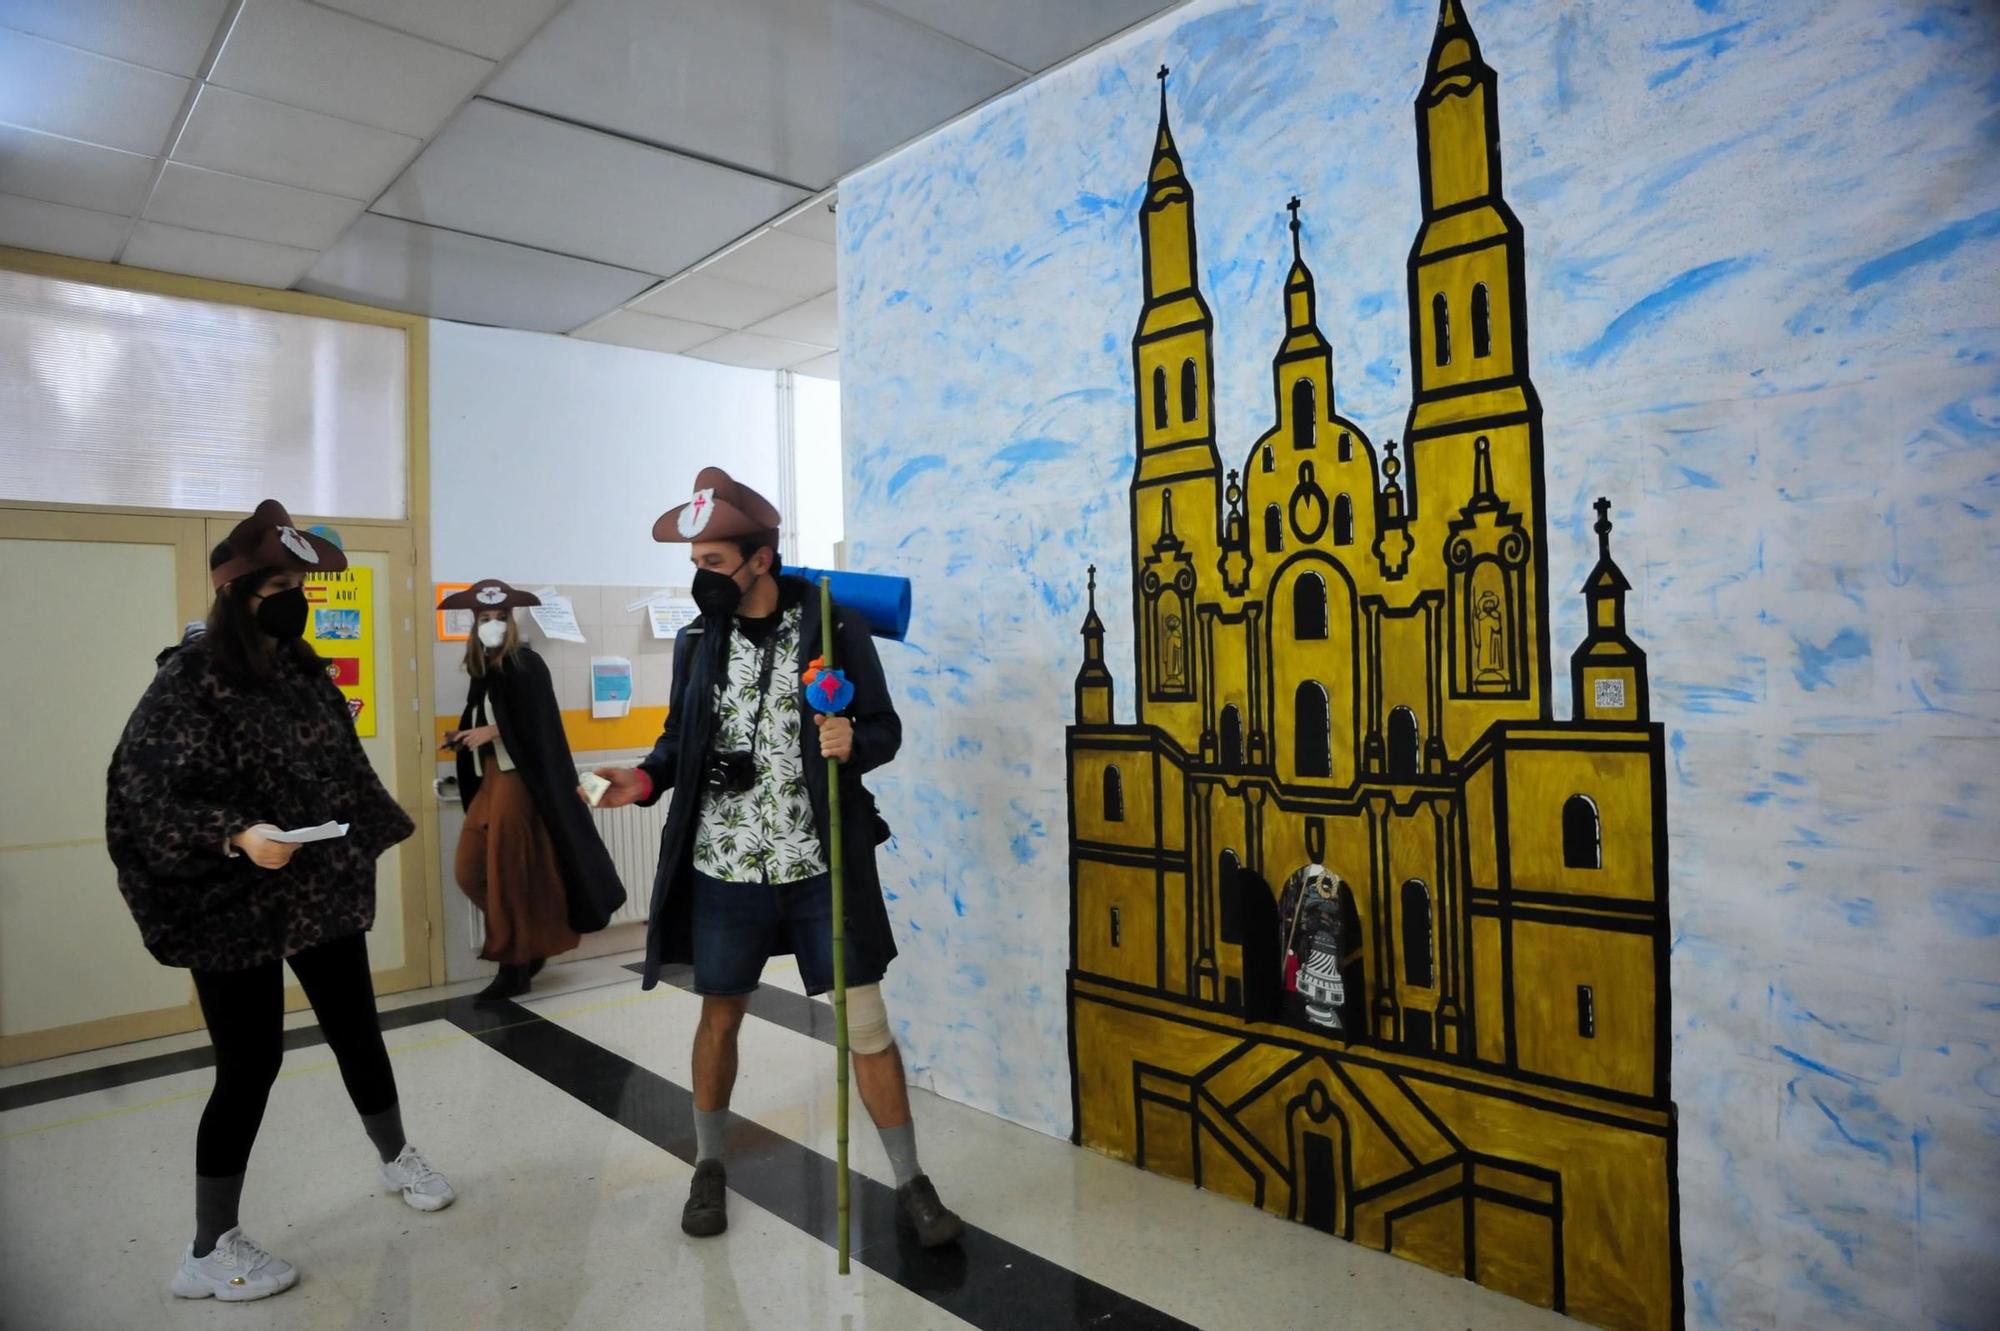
{"type": "Point", "coordinates": [563, 1125]}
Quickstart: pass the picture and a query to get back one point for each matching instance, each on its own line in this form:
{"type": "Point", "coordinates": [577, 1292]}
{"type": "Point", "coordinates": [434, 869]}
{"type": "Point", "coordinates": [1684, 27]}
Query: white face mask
{"type": "Point", "coordinates": [493, 634]}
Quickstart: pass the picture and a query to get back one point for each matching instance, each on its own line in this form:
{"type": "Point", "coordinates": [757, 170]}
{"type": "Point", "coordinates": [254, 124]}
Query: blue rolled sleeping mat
{"type": "Point", "coordinates": [882, 602]}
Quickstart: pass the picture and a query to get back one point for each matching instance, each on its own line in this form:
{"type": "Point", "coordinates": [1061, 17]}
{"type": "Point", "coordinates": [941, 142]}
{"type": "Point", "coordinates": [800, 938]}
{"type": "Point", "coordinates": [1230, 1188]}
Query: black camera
{"type": "Point", "coordinates": [732, 773]}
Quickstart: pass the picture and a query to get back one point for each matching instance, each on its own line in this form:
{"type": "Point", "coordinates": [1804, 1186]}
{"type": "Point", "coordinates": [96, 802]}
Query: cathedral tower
{"type": "Point", "coordinates": [1176, 484]}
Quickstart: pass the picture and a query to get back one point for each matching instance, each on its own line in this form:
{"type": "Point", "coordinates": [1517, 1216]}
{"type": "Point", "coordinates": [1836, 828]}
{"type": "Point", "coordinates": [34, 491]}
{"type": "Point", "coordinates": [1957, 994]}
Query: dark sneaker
{"type": "Point", "coordinates": [509, 984]}
{"type": "Point", "coordinates": [918, 1209]}
{"type": "Point", "coordinates": [706, 1213]}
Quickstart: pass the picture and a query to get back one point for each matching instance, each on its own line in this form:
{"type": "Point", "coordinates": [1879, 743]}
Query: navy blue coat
{"type": "Point", "coordinates": [680, 758]}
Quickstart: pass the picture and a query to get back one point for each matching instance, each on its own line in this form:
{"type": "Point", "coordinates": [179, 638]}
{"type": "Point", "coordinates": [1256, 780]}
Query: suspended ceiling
{"type": "Point", "coordinates": [656, 173]}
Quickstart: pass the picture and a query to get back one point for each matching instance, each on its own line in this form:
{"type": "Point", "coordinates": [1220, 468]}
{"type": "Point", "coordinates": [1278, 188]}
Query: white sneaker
{"type": "Point", "coordinates": [421, 1186]}
{"type": "Point", "coordinates": [235, 1271]}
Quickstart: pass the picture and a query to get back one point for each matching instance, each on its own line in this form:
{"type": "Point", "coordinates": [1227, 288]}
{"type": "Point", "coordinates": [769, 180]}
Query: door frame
{"type": "Point", "coordinates": [422, 876]}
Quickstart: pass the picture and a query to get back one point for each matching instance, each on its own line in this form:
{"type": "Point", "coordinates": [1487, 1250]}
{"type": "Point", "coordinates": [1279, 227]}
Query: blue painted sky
{"type": "Point", "coordinates": [1763, 244]}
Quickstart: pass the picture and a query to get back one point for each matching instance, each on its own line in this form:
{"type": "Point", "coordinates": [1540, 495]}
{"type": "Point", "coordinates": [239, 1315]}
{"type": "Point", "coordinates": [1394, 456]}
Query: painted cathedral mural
{"type": "Point", "coordinates": [1361, 933]}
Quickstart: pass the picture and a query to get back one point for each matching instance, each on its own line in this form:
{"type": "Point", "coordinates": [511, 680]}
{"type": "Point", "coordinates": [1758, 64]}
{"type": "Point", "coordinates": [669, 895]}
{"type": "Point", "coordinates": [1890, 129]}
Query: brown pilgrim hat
{"type": "Point", "coordinates": [489, 594]}
{"type": "Point", "coordinates": [719, 510]}
{"type": "Point", "coordinates": [269, 538]}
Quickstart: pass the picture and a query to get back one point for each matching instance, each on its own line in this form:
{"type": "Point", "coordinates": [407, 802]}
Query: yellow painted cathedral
{"type": "Point", "coordinates": [1361, 933]}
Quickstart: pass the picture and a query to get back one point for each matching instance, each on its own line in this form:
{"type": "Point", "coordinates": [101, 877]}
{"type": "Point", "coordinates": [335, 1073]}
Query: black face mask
{"type": "Point", "coordinates": [282, 615]}
{"type": "Point", "coordinates": [716, 593]}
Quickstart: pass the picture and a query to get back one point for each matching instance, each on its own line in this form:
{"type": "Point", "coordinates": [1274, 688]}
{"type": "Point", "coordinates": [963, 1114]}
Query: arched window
{"type": "Point", "coordinates": [1270, 458]}
{"type": "Point", "coordinates": [1346, 446]}
{"type": "Point", "coordinates": [1441, 328]}
{"type": "Point", "coordinates": [1343, 521]}
{"type": "Point", "coordinates": [1305, 417]}
{"type": "Point", "coordinates": [1114, 796]}
{"type": "Point", "coordinates": [1582, 835]}
{"type": "Point", "coordinates": [1309, 608]}
{"type": "Point", "coordinates": [1482, 322]}
{"type": "Point", "coordinates": [1191, 390]}
{"type": "Point", "coordinates": [1417, 968]}
{"type": "Point", "coordinates": [1312, 733]}
{"type": "Point", "coordinates": [1274, 528]}
{"type": "Point", "coordinates": [1228, 895]}
{"type": "Point", "coordinates": [1160, 396]}
{"type": "Point", "coordinates": [1232, 737]}
{"type": "Point", "coordinates": [1403, 745]}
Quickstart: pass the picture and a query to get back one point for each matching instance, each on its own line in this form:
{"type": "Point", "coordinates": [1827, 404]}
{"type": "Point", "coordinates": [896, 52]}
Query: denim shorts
{"type": "Point", "coordinates": [738, 927]}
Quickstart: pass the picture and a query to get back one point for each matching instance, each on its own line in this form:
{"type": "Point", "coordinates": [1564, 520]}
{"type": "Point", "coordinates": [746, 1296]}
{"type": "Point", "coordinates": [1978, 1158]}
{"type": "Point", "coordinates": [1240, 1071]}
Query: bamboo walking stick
{"type": "Point", "coordinates": [834, 869]}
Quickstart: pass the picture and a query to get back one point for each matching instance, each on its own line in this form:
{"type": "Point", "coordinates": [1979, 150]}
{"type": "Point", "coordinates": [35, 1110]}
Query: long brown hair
{"type": "Point", "coordinates": [234, 639]}
{"type": "Point", "coordinates": [478, 660]}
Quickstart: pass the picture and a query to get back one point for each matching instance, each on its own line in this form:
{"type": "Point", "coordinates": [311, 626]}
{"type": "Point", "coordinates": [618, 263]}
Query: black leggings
{"type": "Point", "coordinates": [245, 1011]}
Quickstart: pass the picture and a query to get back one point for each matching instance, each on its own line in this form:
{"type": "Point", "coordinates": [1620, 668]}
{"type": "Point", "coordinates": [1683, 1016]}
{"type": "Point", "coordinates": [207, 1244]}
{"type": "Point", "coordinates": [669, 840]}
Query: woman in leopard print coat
{"type": "Point", "coordinates": [242, 734]}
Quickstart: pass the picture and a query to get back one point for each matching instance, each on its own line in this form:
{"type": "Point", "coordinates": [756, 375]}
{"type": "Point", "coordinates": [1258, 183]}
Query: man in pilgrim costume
{"type": "Point", "coordinates": [743, 859]}
{"type": "Point", "coordinates": [529, 855]}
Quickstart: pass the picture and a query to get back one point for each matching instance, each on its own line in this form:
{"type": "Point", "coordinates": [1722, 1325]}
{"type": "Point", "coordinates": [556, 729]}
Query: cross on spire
{"type": "Point", "coordinates": [1162, 75]}
{"type": "Point", "coordinates": [1093, 587]}
{"type": "Point", "coordinates": [1293, 208]}
{"type": "Point", "coordinates": [1603, 528]}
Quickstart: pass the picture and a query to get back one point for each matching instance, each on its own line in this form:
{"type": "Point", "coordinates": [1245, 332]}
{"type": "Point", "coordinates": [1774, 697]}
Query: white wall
{"type": "Point", "coordinates": [818, 522]}
{"type": "Point", "coordinates": [550, 458]}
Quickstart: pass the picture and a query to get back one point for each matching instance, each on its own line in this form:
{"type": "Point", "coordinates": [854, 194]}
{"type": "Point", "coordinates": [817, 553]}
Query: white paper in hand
{"type": "Point", "coordinates": [593, 787]}
{"type": "Point", "coordinates": [302, 835]}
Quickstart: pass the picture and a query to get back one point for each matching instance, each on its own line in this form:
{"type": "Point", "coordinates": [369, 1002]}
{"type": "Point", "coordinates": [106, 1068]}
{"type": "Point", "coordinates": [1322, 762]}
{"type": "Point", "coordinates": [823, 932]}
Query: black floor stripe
{"type": "Point", "coordinates": [64, 1085]}
{"type": "Point", "coordinates": [985, 1280]}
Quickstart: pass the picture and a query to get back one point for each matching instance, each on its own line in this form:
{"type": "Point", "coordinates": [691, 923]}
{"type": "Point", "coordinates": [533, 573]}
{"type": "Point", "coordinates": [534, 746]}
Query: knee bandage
{"type": "Point", "coordinates": [867, 1020]}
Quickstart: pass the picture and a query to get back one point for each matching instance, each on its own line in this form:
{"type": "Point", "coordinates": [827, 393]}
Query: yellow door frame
{"type": "Point", "coordinates": [422, 876]}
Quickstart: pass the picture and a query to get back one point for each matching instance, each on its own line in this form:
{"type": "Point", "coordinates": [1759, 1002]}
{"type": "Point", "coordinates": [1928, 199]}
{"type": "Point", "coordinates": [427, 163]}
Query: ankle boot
{"type": "Point", "coordinates": [509, 984]}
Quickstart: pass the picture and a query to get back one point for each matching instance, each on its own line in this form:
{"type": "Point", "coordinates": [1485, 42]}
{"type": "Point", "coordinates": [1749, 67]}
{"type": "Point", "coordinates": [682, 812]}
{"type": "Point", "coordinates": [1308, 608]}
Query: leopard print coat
{"type": "Point", "coordinates": [206, 755]}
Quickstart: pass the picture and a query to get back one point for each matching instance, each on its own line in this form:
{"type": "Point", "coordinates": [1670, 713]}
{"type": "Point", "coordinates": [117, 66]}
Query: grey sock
{"type": "Point", "coordinates": [901, 1144]}
{"type": "Point", "coordinates": [386, 1131]}
{"type": "Point", "coordinates": [215, 1201]}
{"type": "Point", "coordinates": [710, 1127]}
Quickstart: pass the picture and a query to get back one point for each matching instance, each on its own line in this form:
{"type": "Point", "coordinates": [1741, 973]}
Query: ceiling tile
{"type": "Point", "coordinates": [780, 261]}
{"type": "Point", "coordinates": [1033, 34]}
{"type": "Point", "coordinates": [253, 209]}
{"type": "Point", "coordinates": [700, 298]}
{"type": "Point", "coordinates": [516, 176]}
{"type": "Point", "coordinates": [628, 328]}
{"type": "Point", "coordinates": [803, 90]}
{"type": "Point", "coordinates": [172, 249]}
{"type": "Point", "coordinates": [404, 266]}
{"type": "Point", "coordinates": [60, 90]}
{"type": "Point", "coordinates": [173, 37]}
{"type": "Point", "coordinates": [34, 225]}
{"type": "Point", "coordinates": [756, 353]}
{"type": "Point", "coordinates": [816, 322]}
{"type": "Point", "coordinates": [82, 175]}
{"type": "Point", "coordinates": [815, 223]}
{"type": "Point", "coordinates": [826, 367]}
{"type": "Point", "coordinates": [300, 54]}
{"type": "Point", "coordinates": [248, 136]}
{"type": "Point", "coordinates": [492, 28]}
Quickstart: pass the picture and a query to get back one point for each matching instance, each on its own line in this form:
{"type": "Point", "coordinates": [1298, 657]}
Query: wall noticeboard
{"type": "Point", "coordinates": [341, 629]}
{"type": "Point", "coordinates": [453, 625]}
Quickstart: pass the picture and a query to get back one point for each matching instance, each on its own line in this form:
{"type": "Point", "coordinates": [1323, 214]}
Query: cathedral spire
{"type": "Point", "coordinates": [1093, 680]}
{"type": "Point", "coordinates": [1455, 47]}
{"type": "Point", "coordinates": [1301, 295]}
{"type": "Point", "coordinates": [1166, 157]}
{"type": "Point", "coordinates": [1608, 671]}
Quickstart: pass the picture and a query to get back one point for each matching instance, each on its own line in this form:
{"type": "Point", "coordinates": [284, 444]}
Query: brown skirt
{"type": "Point", "coordinates": [507, 865]}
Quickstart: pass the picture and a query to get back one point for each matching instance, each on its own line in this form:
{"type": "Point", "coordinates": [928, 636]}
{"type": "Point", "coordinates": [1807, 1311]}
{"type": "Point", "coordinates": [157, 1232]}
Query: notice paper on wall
{"type": "Point", "coordinates": [610, 687]}
{"type": "Point", "coordinates": [556, 617]}
{"type": "Point", "coordinates": [670, 617]}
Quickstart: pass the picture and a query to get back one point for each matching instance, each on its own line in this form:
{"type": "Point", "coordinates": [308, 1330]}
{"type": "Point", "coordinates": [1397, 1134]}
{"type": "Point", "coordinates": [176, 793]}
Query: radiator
{"type": "Point", "coordinates": [632, 835]}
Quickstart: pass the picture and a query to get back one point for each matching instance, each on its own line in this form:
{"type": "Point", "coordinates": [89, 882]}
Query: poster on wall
{"type": "Point", "coordinates": [610, 687]}
{"type": "Point", "coordinates": [556, 617]}
{"type": "Point", "coordinates": [453, 625]}
{"type": "Point", "coordinates": [341, 630]}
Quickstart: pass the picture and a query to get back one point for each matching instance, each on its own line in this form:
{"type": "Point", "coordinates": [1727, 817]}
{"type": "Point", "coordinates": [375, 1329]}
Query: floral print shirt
{"type": "Point", "coordinates": [765, 834]}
